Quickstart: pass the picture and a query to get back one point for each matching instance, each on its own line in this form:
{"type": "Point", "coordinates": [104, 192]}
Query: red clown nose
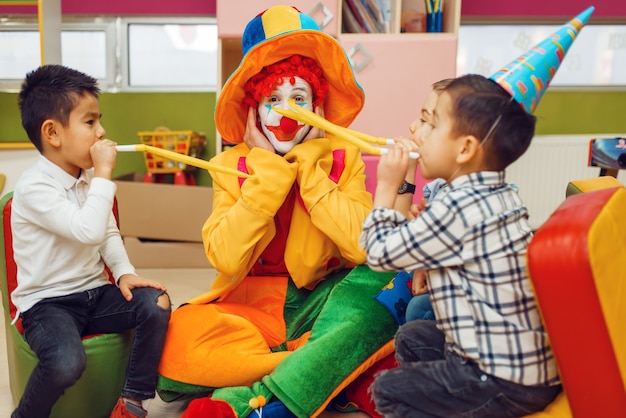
{"type": "Point", "coordinates": [288, 125]}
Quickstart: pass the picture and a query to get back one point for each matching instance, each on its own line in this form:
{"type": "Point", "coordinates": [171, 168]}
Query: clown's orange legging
{"type": "Point", "coordinates": [229, 343]}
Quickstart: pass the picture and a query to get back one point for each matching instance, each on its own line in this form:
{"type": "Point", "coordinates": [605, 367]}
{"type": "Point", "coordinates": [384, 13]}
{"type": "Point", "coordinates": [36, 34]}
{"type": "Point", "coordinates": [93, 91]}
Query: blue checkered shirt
{"type": "Point", "coordinates": [472, 239]}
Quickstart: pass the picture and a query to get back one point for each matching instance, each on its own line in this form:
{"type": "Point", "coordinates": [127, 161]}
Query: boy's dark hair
{"type": "Point", "coordinates": [51, 92]}
{"type": "Point", "coordinates": [439, 86]}
{"type": "Point", "coordinates": [478, 104]}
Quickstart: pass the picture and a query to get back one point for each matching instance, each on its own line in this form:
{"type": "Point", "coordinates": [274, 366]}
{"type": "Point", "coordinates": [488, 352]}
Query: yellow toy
{"type": "Point", "coordinates": [196, 162]}
{"type": "Point", "coordinates": [361, 140]}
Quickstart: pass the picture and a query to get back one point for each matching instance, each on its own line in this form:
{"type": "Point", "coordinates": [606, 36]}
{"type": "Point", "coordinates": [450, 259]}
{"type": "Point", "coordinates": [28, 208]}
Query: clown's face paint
{"type": "Point", "coordinates": [282, 132]}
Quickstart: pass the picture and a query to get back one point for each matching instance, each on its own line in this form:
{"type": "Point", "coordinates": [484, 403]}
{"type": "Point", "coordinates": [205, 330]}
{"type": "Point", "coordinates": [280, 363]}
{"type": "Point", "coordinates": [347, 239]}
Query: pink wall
{"type": "Point", "coordinates": [127, 7]}
{"type": "Point", "coordinates": [552, 8]}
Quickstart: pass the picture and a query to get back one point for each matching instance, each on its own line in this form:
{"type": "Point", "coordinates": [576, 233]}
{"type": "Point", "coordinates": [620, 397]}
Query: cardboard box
{"type": "Point", "coordinates": [160, 211]}
{"type": "Point", "coordinates": [165, 254]}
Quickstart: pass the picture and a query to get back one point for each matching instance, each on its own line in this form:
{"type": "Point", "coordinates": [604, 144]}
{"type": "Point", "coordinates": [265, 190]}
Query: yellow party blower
{"type": "Point", "coordinates": [182, 158]}
{"type": "Point", "coordinates": [360, 139]}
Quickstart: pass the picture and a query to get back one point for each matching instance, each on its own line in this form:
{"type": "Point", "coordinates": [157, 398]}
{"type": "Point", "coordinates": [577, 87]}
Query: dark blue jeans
{"type": "Point", "coordinates": [432, 382]}
{"type": "Point", "coordinates": [54, 327]}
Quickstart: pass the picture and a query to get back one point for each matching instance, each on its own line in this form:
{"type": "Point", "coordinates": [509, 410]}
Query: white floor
{"type": "Point", "coordinates": [182, 284]}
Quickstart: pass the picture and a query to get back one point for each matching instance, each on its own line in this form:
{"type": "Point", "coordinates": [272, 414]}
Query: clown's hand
{"type": "Point", "coordinates": [316, 132]}
{"type": "Point", "coordinates": [253, 137]}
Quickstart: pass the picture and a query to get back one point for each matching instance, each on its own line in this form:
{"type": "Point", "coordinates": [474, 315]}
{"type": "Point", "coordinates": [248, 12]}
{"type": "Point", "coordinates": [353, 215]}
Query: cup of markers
{"type": "Point", "coordinates": [434, 15]}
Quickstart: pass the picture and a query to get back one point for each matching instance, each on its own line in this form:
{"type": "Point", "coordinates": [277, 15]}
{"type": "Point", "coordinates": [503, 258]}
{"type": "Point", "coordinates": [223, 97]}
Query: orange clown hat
{"type": "Point", "coordinates": [528, 77]}
{"type": "Point", "coordinates": [278, 33]}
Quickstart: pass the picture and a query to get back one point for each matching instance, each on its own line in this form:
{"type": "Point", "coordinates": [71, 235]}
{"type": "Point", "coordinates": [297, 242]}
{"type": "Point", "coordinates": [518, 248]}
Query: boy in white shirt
{"type": "Point", "coordinates": [64, 233]}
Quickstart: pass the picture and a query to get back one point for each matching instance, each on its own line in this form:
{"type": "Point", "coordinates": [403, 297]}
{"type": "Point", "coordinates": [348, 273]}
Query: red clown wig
{"type": "Point", "coordinates": [265, 82]}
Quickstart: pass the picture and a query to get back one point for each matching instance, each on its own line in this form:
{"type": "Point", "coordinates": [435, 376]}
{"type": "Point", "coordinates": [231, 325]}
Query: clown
{"type": "Point", "coordinates": [290, 320]}
{"type": "Point", "coordinates": [293, 78]}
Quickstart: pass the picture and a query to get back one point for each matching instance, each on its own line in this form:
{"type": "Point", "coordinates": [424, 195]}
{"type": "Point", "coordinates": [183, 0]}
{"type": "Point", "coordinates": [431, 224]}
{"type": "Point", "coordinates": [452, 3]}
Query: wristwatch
{"type": "Point", "coordinates": [406, 187]}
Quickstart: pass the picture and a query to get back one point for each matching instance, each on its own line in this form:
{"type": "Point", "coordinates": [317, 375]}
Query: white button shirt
{"type": "Point", "coordinates": [63, 230]}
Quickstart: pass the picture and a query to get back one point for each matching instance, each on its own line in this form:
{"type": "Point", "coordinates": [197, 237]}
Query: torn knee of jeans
{"type": "Point", "coordinates": [164, 301]}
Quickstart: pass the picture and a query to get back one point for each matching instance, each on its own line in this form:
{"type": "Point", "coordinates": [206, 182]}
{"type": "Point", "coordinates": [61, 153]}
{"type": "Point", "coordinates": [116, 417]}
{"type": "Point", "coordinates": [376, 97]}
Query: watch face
{"type": "Point", "coordinates": [406, 187]}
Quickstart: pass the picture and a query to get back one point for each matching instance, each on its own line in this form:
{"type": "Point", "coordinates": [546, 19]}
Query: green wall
{"type": "Point", "coordinates": [124, 114]}
{"type": "Point", "coordinates": [581, 112]}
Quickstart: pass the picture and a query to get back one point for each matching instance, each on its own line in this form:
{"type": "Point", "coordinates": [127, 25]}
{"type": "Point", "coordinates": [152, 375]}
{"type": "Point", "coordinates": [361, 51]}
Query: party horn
{"type": "Point", "coordinates": [361, 135]}
{"type": "Point", "coordinates": [312, 116]}
{"type": "Point", "coordinates": [181, 158]}
{"type": "Point", "coordinates": [361, 140]}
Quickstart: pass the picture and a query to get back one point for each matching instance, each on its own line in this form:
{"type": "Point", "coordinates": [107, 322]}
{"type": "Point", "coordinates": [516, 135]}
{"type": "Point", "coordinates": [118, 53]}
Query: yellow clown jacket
{"type": "Point", "coordinates": [325, 223]}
